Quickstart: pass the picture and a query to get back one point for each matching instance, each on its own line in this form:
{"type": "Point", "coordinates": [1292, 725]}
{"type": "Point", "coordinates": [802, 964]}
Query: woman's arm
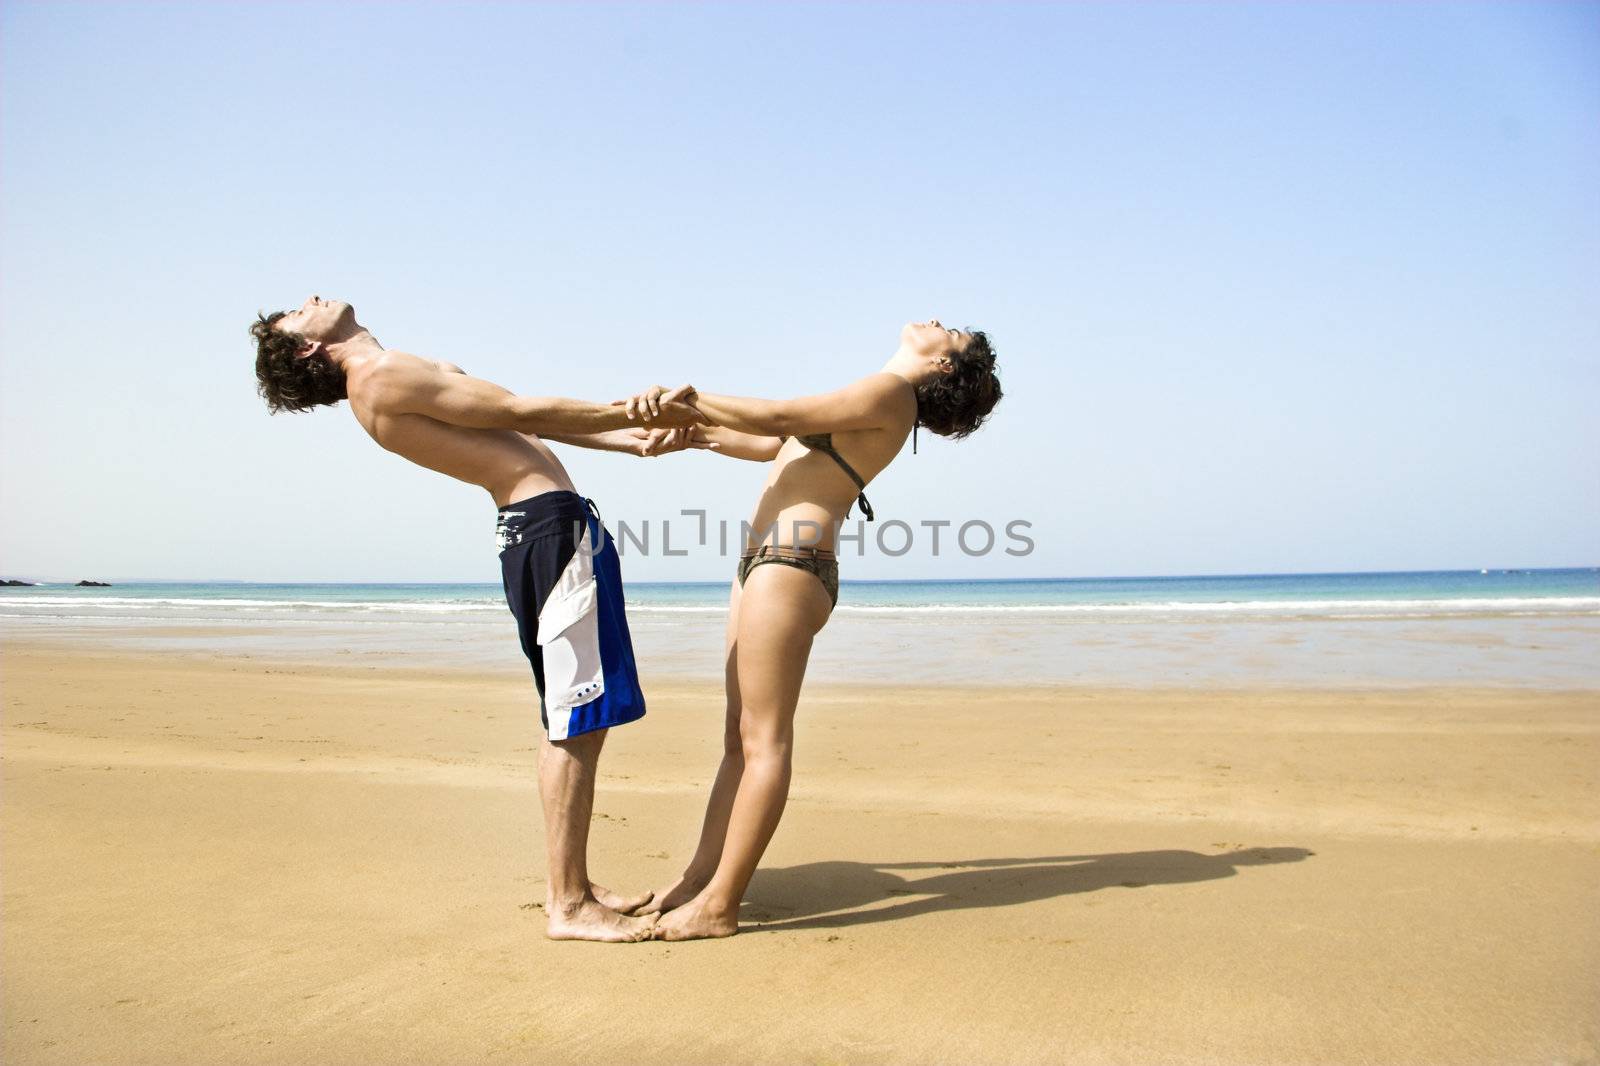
{"type": "Point", "coordinates": [877, 402]}
{"type": "Point", "coordinates": [736, 445]}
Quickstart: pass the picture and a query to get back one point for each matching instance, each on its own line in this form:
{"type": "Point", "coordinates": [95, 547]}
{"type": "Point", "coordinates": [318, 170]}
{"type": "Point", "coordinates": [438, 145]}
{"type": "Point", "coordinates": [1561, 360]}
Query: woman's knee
{"type": "Point", "coordinates": [732, 716]}
{"type": "Point", "coordinates": [762, 739]}
{"type": "Point", "coordinates": [732, 743]}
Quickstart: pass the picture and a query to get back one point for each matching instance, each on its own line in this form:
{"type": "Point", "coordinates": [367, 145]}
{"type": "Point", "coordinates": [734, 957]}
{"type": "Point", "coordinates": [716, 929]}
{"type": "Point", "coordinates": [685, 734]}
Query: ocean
{"type": "Point", "coordinates": [1497, 627]}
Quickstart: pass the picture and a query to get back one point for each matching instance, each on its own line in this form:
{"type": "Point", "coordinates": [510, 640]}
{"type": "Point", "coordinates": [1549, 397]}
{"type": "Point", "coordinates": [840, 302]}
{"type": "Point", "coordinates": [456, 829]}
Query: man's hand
{"type": "Point", "coordinates": [645, 442]}
{"type": "Point", "coordinates": [653, 442]}
{"type": "Point", "coordinates": [648, 443]}
{"type": "Point", "coordinates": [660, 406]}
{"type": "Point", "coordinates": [689, 437]}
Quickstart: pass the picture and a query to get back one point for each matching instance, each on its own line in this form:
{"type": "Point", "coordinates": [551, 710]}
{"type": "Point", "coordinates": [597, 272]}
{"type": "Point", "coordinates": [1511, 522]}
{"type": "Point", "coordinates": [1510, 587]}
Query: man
{"type": "Point", "coordinates": [559, 565]}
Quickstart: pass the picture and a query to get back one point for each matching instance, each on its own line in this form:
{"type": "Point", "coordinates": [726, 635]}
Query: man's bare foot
{"type": "Point", "coordinates": [589, 920]}
{"type": "Point", "coordinates": [695, 920]}
{"type": "Point", "coordinates": [670, 898]}
{"type": "Point", "coordinates": [617, 901]}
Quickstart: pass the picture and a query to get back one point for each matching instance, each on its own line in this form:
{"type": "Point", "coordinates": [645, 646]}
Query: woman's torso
{"type": "Point", "coordinates": [808, 493]}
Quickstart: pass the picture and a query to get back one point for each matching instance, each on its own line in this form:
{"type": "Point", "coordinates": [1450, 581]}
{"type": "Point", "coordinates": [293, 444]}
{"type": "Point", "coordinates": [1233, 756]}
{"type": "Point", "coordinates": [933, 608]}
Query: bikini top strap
{"type": "Point", "coordinates": [861, 484]}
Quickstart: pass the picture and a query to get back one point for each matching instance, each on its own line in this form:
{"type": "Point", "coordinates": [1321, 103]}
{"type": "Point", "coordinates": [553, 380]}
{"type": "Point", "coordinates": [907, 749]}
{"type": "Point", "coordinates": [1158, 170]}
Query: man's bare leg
{"type": "Point", "coordinates": [566, 786]}
{"type": "Point", "coordinates": [618, 902]}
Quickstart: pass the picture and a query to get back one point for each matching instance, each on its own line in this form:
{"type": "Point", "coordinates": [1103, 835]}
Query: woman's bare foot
{"type": "Point", "coordinates": [589, 920]}
{"type": "Point", "coordinates": [695, 920]}
{"type": "Point", "coordinates": [617, 901]}
{"type": "Point", "coordinates": [672, 897]}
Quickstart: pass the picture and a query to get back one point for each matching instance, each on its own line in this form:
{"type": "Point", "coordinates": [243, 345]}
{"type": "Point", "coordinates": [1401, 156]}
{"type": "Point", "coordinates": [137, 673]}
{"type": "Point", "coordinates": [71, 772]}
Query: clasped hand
{"type": "Point", "coordinates": [675, 407]}
{"type": "Point", "coordinates": [673, 422]}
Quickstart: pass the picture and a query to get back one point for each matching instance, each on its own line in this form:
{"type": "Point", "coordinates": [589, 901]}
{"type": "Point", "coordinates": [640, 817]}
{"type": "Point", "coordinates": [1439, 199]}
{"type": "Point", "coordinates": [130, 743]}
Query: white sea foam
{"type": "Point", "coordinates": [1561, 604]}
{"type": "Point", "coordinates": [199, 603]}
{"type": "Point", "coordinates": [33, 606]}
{"type": "Point", "coordinates": [1343, 608]}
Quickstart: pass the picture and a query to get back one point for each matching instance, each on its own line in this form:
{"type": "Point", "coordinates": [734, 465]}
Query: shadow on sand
{"type": "Point", "coordinates": [833, 895]}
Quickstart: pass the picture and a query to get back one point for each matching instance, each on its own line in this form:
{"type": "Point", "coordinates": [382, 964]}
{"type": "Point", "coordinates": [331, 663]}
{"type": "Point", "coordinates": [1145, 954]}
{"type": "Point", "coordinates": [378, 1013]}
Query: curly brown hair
{"type": "Point", "coordinates": [957, 403]}
{"type": "Point", "coordinates": [285, 380]}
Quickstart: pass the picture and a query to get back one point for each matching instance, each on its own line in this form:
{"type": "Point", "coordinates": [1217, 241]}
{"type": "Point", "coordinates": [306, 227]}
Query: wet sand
{"type": "Point", "coordinates": [233, 860]}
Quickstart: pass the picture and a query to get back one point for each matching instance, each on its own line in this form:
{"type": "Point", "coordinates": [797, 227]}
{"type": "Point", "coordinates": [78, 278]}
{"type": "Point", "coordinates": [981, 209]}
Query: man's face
{"type": "Point", "coordinates": [319, 319]}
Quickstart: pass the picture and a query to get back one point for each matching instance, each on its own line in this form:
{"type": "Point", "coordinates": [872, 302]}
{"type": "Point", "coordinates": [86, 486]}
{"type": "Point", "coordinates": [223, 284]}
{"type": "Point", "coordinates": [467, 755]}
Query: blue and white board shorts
{"type": "Point", "coordinates": [564, 584]}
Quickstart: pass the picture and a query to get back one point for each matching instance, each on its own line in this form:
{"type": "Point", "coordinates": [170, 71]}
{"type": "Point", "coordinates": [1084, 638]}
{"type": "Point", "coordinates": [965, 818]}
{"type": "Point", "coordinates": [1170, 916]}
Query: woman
{"type": "Point", "coordinates": [826, 449]}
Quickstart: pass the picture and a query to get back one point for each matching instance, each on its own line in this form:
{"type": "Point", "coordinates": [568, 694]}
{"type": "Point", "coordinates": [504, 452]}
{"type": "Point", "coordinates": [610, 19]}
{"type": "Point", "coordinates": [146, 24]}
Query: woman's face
{"type": "Point", "coordinates": [931, 339]}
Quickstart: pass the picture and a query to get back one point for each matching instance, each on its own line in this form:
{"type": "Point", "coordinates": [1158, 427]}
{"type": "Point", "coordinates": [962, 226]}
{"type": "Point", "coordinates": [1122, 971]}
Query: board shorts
{"type": "Point", "coordinates": [563, 583]}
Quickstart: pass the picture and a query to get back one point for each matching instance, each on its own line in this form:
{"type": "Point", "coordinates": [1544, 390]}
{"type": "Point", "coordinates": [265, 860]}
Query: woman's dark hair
{"type": "Point", "coordinates": [955, 404]}
{"type": "Point", "coordinates": [285, 380]}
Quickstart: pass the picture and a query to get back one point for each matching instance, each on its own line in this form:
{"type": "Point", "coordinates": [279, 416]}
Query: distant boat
{"type": "Point", "coordinates": [1483, 571]}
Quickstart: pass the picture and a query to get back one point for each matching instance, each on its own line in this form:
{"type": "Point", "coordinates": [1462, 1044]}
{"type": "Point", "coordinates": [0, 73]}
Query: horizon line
{"type": "Point", "coordinates": [849, 581]}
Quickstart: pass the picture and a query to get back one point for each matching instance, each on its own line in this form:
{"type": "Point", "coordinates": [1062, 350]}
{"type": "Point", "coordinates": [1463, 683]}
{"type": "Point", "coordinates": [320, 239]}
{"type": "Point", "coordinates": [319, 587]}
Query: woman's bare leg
{"type": "Point", "coordinates": [783, 608]}
{"type": "Point", "coordinates": [720, 806]}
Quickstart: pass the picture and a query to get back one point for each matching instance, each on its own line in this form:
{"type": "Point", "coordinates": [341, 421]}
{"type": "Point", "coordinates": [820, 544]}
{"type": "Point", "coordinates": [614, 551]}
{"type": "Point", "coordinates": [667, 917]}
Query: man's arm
{"type": "Point", "coordinates": [651, 442]}
{"type": "Point", "coordinates": [402, 384]}
{"type": "Point", "coordinates": [634, 440]}
{"type": "Point", "coordinates": [875, 402]}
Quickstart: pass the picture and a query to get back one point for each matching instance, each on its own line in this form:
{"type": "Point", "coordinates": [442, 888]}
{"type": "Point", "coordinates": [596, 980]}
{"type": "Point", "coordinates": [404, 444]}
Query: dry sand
{"type": "Point", "coordinates": [230, 861]}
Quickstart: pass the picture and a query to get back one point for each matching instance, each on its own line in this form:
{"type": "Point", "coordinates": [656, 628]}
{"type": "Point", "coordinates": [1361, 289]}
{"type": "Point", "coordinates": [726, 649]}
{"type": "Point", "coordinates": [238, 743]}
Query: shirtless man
{"type": "Point", "coordinates": [558, 562]}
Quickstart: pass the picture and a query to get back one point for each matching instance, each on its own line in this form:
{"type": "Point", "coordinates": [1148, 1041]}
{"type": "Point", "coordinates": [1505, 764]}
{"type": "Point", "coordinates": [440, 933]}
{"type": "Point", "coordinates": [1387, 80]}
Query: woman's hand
{"type": "Point", "coordinates": [649, 405]}
{"type": "Point", "coordinates": [646, 404]}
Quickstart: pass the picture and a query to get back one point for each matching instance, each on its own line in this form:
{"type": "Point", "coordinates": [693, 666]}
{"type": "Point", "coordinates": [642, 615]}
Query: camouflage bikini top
{"type": "Point", "coordinates": [823, 442]}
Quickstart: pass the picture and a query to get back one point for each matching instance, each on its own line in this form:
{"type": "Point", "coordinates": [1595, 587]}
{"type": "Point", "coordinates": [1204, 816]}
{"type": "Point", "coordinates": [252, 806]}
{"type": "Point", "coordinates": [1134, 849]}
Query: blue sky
{"type": "Point", "coordinates": [1274, 287]}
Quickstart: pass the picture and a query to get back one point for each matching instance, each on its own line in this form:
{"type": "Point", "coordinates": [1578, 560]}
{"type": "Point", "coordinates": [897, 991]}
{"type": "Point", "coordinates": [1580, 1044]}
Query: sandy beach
{"type": "Point", "coordinates": [236, 860]}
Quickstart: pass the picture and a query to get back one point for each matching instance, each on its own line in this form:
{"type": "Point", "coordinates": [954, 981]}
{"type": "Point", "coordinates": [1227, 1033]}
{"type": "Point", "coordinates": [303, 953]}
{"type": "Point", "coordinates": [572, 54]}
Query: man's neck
{"type": "Point", "coordinates": [359, 345]}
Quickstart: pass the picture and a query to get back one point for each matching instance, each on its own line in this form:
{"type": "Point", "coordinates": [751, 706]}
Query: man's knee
{"type": "Point", "coordinates": [584, 747]}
